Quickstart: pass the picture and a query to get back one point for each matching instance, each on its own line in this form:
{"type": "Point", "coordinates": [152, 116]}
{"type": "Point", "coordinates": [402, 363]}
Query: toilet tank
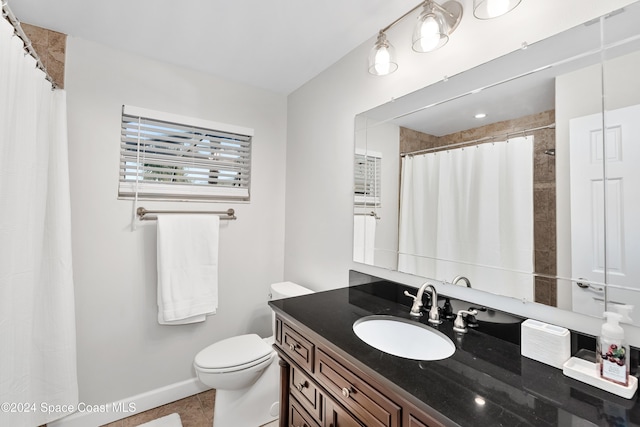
{"type": "Point", "coordinates": [285, 290]}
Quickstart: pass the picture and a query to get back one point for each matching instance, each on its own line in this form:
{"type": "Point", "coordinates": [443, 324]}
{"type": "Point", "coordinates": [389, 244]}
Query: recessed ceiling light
{"type": "Point", "coordinates": [480, 116]}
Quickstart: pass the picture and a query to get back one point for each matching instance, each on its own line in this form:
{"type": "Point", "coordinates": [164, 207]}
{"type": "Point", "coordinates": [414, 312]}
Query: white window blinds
{"type": "Point", "coordinates": [367, 171]}
{"type": "Point", "coordinates": [166, 156]}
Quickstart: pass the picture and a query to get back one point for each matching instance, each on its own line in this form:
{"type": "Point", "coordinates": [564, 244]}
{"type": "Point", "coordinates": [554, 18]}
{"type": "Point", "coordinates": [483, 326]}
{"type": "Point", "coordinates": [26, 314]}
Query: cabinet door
{"type": "Point", "coordinates": [336, 416]}
{"type": "Point", "coordinates": [306, 391]}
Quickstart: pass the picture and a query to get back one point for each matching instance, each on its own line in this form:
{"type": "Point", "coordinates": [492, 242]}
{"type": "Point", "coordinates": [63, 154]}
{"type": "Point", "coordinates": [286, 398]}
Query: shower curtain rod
{"type": "Point", "coordinates": [142, 213]}
{"type": "Point", "coordinates": [479, 141]}
{"type": "Point", "coordinates": [9, 16]}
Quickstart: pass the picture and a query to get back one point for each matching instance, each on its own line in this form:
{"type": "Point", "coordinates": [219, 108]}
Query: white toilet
{"type": "Point", "coordinates": [244, 371]}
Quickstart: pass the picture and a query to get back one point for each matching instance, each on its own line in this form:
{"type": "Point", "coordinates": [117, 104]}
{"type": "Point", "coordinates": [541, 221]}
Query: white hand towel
{"type": "Point", "coordinates": [187, 268]}
{"type": "Point", "coordinates": [364, 237]}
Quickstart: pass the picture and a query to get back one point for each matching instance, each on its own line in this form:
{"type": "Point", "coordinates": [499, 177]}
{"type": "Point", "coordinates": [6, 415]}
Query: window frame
{"type": "Point", "coordinates": [217, 140]}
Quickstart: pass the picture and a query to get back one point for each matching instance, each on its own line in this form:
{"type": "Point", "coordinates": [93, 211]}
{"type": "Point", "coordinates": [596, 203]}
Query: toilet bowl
{"type": "Point", "coordinates": [244, 371]}
{"type": "Point", "coordinates": [234, 363]}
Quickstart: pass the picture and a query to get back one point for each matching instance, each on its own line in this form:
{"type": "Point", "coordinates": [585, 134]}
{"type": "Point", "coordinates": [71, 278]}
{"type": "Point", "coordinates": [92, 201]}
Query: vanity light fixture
{"type": "Point", "coordinates": [489, 9]}
{"type": "Point", "coordinates": [435, 24]}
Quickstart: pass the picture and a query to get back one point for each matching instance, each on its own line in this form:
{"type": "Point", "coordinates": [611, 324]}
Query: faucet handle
{"type": "Point", "coordinates": [414, 297]}
{"type": "Point", "coordinates": [471, 320]}
{"type": "Point", "coordinates": [417, 305]}
{"type": "Point", "coordinates": [459, 325]}
{"type": "Point", "coordinates": [410, 295]}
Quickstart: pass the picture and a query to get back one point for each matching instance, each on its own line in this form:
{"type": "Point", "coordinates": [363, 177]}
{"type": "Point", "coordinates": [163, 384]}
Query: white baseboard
{"type": "Point", "coordinates": [97, 415]}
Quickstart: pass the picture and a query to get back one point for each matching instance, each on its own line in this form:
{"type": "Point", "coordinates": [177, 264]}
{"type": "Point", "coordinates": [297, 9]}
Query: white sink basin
{"type": "Point", "coordinates": [404, 338]}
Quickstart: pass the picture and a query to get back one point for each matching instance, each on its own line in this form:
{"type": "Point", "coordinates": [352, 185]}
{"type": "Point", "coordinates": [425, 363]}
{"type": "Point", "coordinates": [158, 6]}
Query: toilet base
{"type": "Point", "coordinates": [250, 407]}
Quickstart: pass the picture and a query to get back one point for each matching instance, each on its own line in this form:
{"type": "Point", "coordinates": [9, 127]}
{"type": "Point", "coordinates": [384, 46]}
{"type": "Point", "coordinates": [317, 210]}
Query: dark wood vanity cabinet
{"type": "Point", "coordinates": [319, 388]}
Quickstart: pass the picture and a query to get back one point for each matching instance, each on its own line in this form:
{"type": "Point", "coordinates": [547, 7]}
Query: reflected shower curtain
{"type": "Point", "coordinates": [469, 211]}
{"type": "Point", "coordinates": [37, 320]}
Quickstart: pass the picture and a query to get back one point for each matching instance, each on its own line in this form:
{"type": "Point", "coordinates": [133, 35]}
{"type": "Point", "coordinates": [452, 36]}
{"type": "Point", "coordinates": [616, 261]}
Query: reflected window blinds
{"type": "Point", "coordinates": [367, 171]}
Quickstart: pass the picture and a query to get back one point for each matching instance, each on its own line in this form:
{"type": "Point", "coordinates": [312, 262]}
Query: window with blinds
{"type": "Point", "coordinates": [166, 156]}
{"type": "Point", "coordinates": [367, 171]}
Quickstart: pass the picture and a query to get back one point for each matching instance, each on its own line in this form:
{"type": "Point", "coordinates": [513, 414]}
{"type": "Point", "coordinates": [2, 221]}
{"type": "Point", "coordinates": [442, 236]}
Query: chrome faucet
{"type": "Point", "coordinates": [434, 316]}
{"type": "Point", "coordinates": [464, 279]}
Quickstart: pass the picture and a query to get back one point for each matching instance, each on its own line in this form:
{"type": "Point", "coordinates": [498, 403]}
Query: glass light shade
{"type": "Point", "coordinates": [488, 9]}
{"type": "Point", "coordinates": [435, 25]}
{"type": "Point", "coordinates": [382, 58]}
{"type": "Point", "coordinates": [431, 31]}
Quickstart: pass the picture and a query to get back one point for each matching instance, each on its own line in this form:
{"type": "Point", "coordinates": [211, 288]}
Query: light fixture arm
{"type": "Point", "coordinates": [421, 4]}
{"type": "Point", "coordinates": [403, 16]}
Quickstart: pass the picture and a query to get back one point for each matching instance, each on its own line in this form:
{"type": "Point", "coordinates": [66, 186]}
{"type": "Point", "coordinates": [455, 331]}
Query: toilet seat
{"type": "Point", "coordinates": [233, 354]}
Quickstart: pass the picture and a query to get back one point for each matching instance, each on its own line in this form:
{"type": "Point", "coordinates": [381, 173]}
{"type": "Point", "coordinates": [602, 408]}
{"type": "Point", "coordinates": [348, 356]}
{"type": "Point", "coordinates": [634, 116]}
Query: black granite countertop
{"type": "Point", "coordinates": [485, 383]}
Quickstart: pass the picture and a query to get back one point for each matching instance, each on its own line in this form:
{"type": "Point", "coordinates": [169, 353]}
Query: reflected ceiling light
{"type": "Point", "coordinates": [488, 9]}
{"type": "Point", "coordinates": [434, 25]}
{"type": "Point", "coordinates": [382, 58]}
{"type": "Point", "coordinates": [480, 116]}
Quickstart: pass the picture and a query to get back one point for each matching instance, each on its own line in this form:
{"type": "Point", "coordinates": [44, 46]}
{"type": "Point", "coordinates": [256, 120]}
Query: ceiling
{"type": "Point", "coordinates": [276, 45]}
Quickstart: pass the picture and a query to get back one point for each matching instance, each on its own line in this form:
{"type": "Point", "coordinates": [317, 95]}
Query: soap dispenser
{"type": "Point", "coordinates": [612, 355]}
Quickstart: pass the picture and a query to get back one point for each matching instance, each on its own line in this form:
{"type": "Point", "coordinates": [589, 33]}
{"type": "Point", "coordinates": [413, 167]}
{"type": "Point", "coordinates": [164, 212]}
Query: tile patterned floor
{"type": "Point", "coordinates": [194, 411]}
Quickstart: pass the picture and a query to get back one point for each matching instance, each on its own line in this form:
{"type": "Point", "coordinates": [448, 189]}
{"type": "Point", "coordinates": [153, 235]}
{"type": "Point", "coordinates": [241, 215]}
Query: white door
{"type": "Point", "coordinates": [588, 207]}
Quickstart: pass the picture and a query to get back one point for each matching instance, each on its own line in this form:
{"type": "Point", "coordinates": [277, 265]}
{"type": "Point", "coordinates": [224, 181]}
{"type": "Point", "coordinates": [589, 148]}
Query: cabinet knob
{"type": "Point", "coordinates": [346, 392]}
{"type": "Point", "coordinates": [301, 386]}
{"type": "Point", "coordinates": [293, 346]}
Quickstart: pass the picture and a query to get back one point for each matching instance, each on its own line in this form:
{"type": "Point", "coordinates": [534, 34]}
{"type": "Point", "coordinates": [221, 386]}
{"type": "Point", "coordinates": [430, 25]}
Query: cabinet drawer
{"type": "Point", "coordinates": [338, 417]}
{"type": "Point", "coordinates": [414, 422]}
{"type": "Point", "coordinates": [368, 404]}
{"type": "Point", "coordinates": [306, 392]}
{"type": "Point", "coordinates": [297, 347]}
{"type": "Point", "coordinates": [298, 417]}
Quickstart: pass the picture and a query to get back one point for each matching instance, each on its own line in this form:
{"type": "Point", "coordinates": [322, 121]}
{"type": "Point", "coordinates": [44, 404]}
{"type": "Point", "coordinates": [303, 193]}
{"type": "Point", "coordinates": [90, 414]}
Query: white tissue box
{"type": "Point", "coordinates": [545, 343]}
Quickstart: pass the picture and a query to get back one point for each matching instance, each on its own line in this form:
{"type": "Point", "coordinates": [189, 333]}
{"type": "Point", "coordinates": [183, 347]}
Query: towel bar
{"type": "Point", "coordinates": [372, 213]}
{"type": "Point", "coordinates": [143, 213]}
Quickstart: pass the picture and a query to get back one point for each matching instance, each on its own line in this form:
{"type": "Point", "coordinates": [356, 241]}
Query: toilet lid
{"type": "Point", "coordinates": [233, 352]}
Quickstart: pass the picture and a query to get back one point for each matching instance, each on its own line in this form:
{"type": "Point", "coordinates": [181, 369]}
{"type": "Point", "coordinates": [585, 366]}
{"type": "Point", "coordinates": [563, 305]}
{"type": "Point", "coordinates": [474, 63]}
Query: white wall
{"type": "Point", "coordinates": [122, 351]}
{"type": "Point", "coordinates": [320, 140]}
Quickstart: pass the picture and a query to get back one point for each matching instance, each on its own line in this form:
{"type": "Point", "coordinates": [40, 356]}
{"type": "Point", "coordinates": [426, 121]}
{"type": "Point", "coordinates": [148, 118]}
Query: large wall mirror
{"type": "Point", "coordinates": [522, 174]}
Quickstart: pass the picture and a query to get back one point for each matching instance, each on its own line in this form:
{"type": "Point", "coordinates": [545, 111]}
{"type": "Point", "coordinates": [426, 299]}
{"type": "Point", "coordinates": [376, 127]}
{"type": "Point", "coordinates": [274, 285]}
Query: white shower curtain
{"type": "Point", "coordinates": [467, 211]}
{"type": "Point", "coordinates": [37, 319]}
